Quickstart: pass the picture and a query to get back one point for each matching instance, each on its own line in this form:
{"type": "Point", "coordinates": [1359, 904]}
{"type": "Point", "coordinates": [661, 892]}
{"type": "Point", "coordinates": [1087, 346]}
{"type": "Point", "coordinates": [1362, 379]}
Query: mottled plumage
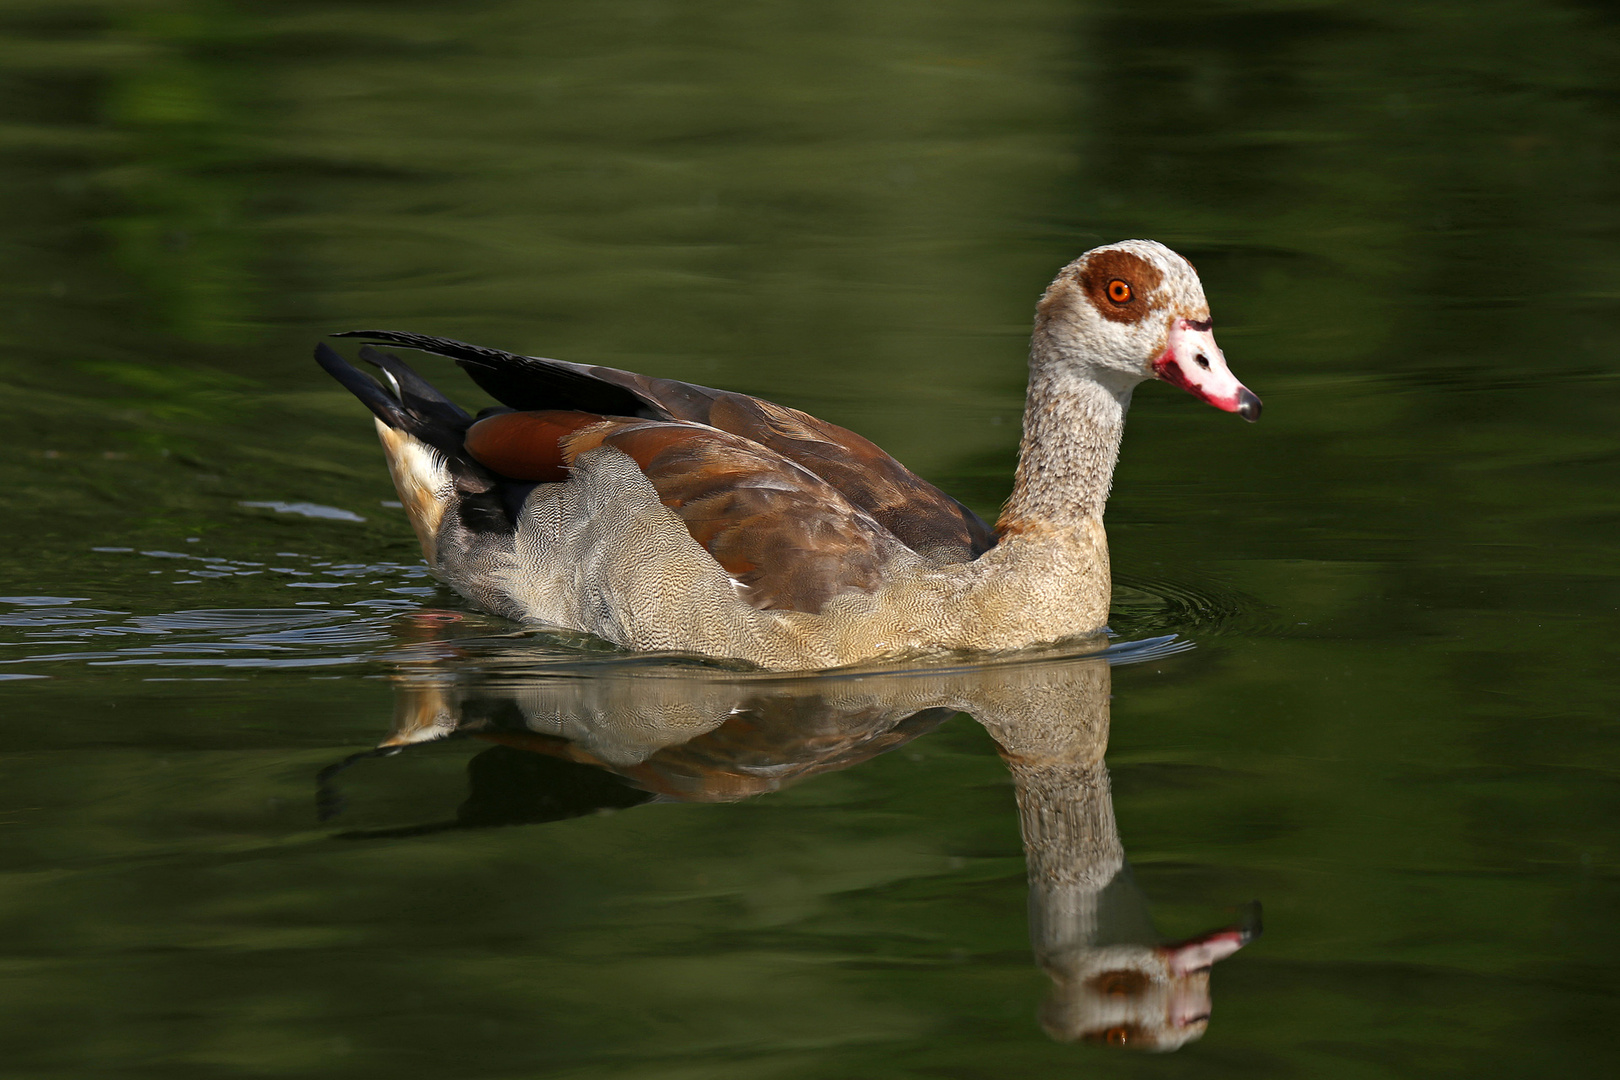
{"type": "Point", "coordinates": [662, 515]}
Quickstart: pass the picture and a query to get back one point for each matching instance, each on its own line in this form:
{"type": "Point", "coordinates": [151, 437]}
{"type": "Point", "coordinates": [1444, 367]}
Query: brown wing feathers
{"type": "Point", "coordinates": [921, 516]}
{"type": "Point", "coordinates": [781, 532]}
{"type": "Point", "coordinates": [740, 481]}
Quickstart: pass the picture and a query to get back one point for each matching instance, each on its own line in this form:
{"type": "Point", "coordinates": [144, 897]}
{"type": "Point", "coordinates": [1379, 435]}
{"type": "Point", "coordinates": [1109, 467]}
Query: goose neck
{"type": "Point", "coordinates": [1072, 429]}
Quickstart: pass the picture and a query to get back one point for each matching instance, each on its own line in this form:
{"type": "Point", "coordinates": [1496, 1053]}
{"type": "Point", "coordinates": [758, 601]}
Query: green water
{"type": "Point", "coordinates": [1395, 729]}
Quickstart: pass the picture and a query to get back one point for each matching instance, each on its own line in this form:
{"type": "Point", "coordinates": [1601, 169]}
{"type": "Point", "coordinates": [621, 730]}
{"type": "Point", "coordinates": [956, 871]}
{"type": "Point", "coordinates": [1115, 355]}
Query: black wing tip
{"type": "Point", "coordinates": [332, 361]}
{"type": "Point", "coordinates": [415, 392]}
{"type": "Point", "coordinates": [383, 405]}
{"type": "Point", "coordinates": [440, 346]}
{"type": "Point", "coordinates": [395, 336]}
{"type": "Point", "coordinates": [527, 382]}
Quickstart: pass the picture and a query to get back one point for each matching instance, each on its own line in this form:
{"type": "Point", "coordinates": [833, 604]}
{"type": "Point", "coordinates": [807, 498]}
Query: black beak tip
{"type": "Point", "coordinates": [1248, 405]}
{"type": "Point", "coordinates": [1252, 926]}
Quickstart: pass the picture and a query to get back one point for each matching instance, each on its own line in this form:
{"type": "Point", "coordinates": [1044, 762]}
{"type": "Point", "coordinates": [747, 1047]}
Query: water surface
{"type": "Point", "coordinates": [1395, 728]}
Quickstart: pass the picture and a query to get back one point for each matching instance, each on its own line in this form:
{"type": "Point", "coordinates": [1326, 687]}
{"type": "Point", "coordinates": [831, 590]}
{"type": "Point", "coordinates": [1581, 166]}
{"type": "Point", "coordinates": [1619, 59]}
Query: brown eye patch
{"type": "Point", "coordinates": [1124, 983]}
{"type": "Point", "coordinates": [1119, 284]}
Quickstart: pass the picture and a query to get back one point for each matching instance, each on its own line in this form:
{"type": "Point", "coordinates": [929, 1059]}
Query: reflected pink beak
{"type": "Point", "coordinates": [1201, 952]}
{"type": "Point", "coordinates": [1192, 361]}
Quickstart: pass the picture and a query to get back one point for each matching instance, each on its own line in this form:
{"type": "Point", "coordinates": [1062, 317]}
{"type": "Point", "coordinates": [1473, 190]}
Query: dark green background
{"type": "Point", "coordinates": [1398, 728]}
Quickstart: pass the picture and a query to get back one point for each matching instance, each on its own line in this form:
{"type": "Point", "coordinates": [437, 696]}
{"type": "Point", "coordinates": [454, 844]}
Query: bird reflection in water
{"type": "Point", "coordinates": [570, 742]}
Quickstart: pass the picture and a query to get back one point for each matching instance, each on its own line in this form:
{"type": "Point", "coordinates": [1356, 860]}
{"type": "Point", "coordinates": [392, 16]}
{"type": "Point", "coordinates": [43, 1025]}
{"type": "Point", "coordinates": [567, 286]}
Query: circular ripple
{"type": "Point", "coordinates": [1142, 607]}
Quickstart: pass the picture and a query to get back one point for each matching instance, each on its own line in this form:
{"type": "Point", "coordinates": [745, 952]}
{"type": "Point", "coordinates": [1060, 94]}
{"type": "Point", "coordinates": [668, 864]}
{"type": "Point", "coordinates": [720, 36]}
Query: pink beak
{"type": "Point", "coordinates": [1192, 361]}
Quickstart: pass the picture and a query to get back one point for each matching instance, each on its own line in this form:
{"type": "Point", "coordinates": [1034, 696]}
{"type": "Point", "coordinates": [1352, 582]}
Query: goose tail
{"type": "Point", "coordinates": [422, 434]}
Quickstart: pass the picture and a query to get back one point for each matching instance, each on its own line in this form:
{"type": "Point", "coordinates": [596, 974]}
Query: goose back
{"type": "Point", "coordinates": [914, 511]}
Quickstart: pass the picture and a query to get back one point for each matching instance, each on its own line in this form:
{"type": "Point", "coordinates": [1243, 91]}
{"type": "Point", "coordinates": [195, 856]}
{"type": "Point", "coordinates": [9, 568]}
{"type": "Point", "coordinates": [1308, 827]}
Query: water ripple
{"type": "Point", "coordinates": [386, 623]}
{"type": "Point", "coordinates": [38, 631]}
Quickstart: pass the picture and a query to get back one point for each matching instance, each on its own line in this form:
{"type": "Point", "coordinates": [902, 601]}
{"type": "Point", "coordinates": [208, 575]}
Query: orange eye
{"type": "Point", "coordinates": [1119, 292]}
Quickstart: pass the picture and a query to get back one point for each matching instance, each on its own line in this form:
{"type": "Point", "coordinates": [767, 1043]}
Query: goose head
{"type": "Point", "coordinates": [1132, 311]}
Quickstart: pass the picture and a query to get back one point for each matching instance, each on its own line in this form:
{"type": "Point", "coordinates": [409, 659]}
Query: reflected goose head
{"type": "Point", "coordinates": [1129, 997]}
{"type": "Point", "coordinates": [1133, 311]}
{"type": "Point", "coordinates": [1137, 997]}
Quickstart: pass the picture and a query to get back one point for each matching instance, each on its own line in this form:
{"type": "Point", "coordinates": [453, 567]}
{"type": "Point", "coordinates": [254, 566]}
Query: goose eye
{"type": "Point", "coordinates": [1119, 291]}
{"type": "Point", "coordinates": [1119, 1035]}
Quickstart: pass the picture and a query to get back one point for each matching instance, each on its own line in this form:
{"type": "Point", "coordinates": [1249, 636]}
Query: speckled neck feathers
{"type": "Point", "coordinates": [1072, 430]}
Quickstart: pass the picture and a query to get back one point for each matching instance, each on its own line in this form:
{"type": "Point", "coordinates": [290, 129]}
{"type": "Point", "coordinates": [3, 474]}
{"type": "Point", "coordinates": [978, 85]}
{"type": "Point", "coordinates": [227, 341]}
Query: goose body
{"type": "Point", "coordinates": [664, 516]}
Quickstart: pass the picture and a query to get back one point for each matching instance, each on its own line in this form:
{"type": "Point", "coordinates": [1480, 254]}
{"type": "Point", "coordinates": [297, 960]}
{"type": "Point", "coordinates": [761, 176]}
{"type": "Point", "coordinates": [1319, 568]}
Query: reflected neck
{"type": "Point", "coordinates": [1053, 737]}
{"type": "Point", "coordinates": [1071, 842]}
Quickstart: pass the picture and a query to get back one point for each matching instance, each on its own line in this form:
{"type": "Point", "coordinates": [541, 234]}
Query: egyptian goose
{"type": "Point", "coordinates": [664, 516]}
